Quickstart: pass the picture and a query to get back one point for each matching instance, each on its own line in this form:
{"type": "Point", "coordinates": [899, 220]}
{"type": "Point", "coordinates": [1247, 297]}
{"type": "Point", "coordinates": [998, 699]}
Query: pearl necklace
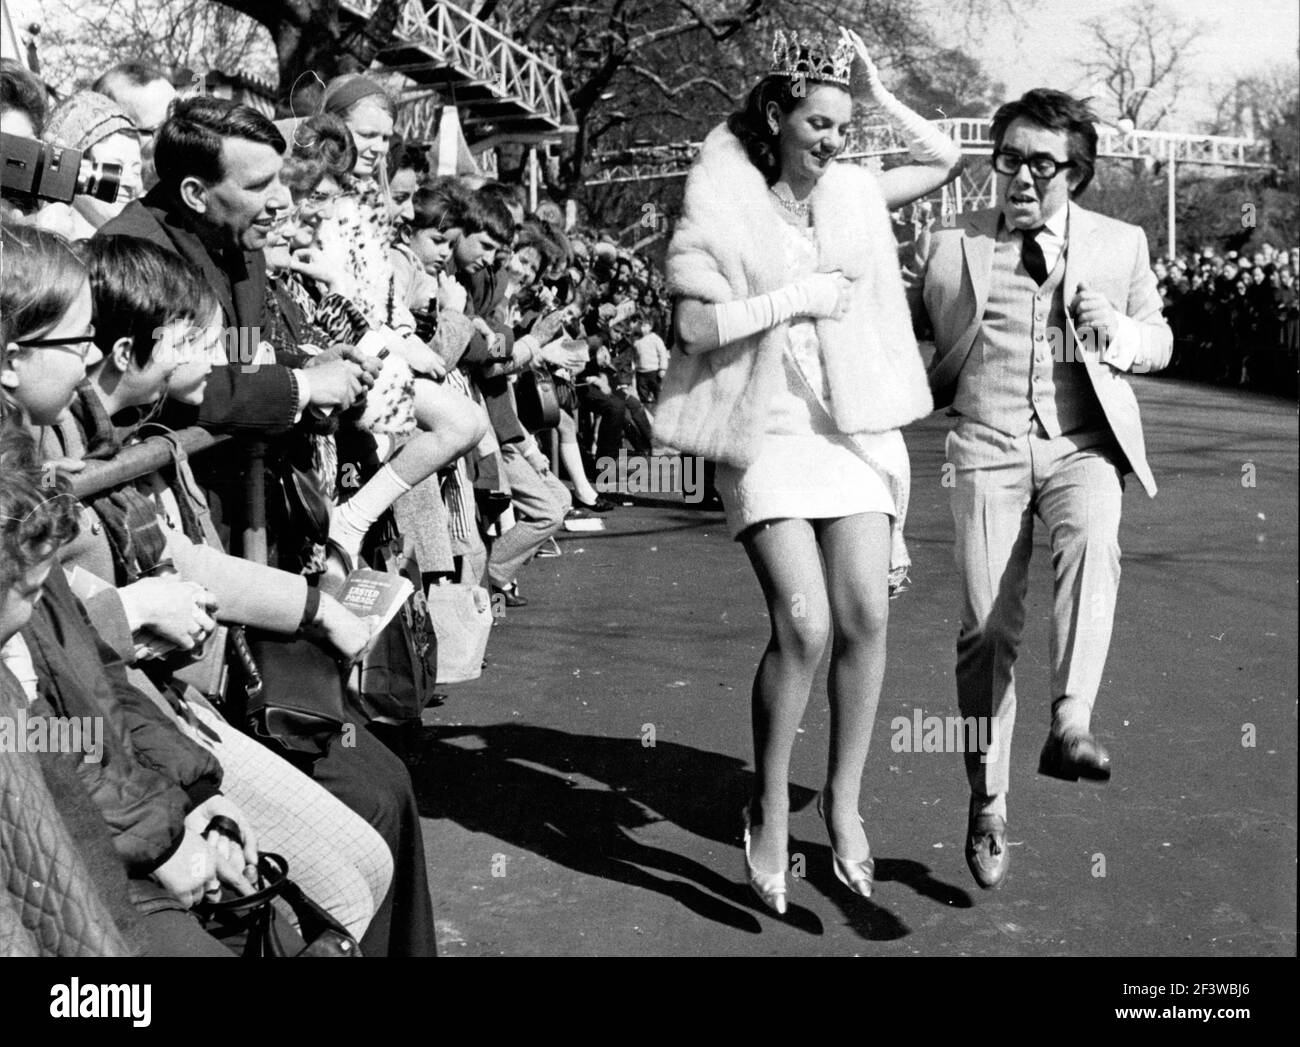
{"type": "Point", "coordinates": [795, 207]}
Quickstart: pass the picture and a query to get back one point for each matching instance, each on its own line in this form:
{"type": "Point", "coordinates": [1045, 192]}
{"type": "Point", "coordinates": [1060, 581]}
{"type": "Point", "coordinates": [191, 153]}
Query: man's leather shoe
{"type": "Point", "coordinates": [510, 596]}
{"type": "Point", "coordinates": [1073, 756]}
{"type": "Point", "coordinates": [986, 849]}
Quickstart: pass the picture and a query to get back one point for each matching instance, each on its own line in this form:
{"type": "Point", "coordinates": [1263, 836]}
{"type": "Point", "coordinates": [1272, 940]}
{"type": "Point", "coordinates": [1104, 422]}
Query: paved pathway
{"type": "Point", "coordinates": [554, 827]}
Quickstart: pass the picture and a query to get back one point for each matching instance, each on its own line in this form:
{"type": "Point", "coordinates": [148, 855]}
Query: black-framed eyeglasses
{"type": "Point", "coordinates": [1041, 165]}
{"type": "Point", "coordinates": [68, 345]}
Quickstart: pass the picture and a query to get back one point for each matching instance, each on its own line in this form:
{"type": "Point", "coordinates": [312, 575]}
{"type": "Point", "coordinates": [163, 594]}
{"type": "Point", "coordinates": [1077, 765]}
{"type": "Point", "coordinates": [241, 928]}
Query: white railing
{"type": "Point", "coordinates": [481, 54]}
{"type": "Point", "coordinates": [973, 134]}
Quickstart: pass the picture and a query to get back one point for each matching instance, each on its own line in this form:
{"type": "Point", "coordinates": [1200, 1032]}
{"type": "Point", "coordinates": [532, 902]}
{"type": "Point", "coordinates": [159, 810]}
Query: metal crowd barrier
{"type": "Point", "coordinates": [155, 452]}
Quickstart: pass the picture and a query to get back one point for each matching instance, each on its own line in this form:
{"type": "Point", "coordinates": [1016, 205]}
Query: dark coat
{"type": "Point", "coordinates": [150, 775]}
{"type": "Point", "coordinates": [486, 289]}
{"type": "Point", "coordinates": [261, 400]}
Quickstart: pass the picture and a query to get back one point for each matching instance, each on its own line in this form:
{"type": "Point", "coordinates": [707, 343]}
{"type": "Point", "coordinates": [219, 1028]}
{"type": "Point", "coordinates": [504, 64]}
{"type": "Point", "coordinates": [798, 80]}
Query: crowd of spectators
{"type": "Point", "coordinates": [310, 292]}
{"type": "Point", "coordinates": [1235, 316]}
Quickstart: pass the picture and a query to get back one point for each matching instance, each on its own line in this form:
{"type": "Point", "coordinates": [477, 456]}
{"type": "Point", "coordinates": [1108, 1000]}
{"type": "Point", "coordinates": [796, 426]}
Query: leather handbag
{"type": "Point", "coordinates": [293, 691]}
{"type": "Point", "coordinates": [535, 400]}
{"type": "Point", "coordinates": [399, 674]}
{"type": "Point", "coordinates": [296, 498]}
{"type": "Point", "coordinates": [566, 394]}
{"type": "Point", "coordinates": [263, 927]}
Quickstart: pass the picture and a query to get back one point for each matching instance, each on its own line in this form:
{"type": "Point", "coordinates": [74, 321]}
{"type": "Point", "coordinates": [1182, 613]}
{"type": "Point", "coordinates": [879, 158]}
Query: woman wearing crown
{"type": "Point", "coordinates": [794, 367]}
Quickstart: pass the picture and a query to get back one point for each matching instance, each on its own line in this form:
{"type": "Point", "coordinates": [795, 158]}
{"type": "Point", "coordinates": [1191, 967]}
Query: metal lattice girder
{"type": "Point", "coordinates": [874, 143]}
{"type": "Point", "coordinates": [974, 136]}
{"type": "Point", "coordinates": [498, 85]}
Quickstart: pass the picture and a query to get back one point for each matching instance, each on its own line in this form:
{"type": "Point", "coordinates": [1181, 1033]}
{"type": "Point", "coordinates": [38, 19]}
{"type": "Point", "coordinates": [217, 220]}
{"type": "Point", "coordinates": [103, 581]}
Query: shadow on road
{"type": "Point", "coordinates": [532, 787]}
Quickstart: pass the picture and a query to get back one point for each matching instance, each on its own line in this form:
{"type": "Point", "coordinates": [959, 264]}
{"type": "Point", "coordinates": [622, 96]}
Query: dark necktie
{"type": "Point", "coordinates": [1031, 254]}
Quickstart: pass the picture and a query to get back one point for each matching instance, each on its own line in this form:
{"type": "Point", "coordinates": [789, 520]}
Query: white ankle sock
{"type": "Point", "coordinates": [350, 521]}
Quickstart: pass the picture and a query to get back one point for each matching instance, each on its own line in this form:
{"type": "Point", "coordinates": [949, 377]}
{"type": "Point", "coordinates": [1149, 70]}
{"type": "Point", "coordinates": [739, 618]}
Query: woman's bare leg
{"type": "Point", "coordinates": [785, 557]}
{"type": "Point", "coordinates": [451, 424]}
{"type": "Point", "coordinates": [571, 459]}
{"type": "Point", "coordinates": [856, 549]}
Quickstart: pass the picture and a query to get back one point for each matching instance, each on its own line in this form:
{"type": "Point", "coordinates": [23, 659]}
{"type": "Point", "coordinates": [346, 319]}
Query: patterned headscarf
{"type": "Point", "coordinates": [84, 119]}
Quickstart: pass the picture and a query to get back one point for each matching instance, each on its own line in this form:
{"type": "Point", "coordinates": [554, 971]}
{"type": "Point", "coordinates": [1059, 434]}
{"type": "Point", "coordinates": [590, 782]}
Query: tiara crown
{"type": "Point", "coordinates": [809, 58]}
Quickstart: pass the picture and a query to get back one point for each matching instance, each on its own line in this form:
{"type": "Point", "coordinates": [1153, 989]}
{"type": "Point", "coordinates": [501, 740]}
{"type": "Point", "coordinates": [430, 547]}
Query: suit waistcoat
{"type": "Point", "coordinates": [1020, 367]}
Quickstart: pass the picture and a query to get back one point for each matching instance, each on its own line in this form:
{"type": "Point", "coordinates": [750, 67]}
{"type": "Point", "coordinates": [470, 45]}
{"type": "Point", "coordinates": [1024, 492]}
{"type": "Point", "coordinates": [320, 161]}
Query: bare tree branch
{"type": "Point", "coordinates": [685, 85]}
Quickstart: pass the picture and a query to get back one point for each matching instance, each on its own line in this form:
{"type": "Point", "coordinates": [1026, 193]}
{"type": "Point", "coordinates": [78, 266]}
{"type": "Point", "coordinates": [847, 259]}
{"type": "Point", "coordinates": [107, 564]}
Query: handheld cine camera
{"type": "Point", "coordinates": [31, 170]}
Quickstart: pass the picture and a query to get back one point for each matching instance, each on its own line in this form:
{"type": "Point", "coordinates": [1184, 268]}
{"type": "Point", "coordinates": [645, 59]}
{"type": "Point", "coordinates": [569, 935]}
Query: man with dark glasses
{"type": "Point", "coordinates": [1038, 309]}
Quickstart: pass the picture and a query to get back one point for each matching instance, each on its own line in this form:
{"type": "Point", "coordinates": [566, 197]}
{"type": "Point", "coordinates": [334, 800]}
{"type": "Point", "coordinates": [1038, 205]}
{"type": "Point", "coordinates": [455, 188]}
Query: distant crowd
{"type": "Point", "coordinates": [1235, 316]}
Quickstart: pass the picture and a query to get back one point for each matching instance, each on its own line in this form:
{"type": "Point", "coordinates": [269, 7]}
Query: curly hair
{"type": "Point", "coordinates": [37, 513]}
{"type": "Point", "coordinates": [762, 144]}
{"type": "Point", "coordinates": [320, 145]}
{"type": "Point", "coordinates": [550, 242]}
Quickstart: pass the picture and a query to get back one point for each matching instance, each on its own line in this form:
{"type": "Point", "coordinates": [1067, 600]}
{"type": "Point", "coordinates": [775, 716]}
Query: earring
{"type": "Point", "coordinates": [773, 127]}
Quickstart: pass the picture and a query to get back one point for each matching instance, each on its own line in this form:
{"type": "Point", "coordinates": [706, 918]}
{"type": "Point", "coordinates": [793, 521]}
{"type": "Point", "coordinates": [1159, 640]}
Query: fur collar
{"type": "Point", "coordinates": [724, 248]}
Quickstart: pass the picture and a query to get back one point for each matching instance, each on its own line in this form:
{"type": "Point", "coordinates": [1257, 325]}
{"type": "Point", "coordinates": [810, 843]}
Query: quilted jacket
{"type": "Point", "coordinates": [49, 904]}
{"type": "Point", "coordinates": [150, 775]}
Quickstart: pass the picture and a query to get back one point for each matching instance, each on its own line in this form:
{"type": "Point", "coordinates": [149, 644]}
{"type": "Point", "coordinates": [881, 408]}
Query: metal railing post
{"type": "Point", "coordinates": [255, 504]}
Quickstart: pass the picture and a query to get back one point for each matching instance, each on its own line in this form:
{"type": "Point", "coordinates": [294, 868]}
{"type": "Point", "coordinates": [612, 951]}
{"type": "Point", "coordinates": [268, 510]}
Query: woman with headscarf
{"type": "Point", "coordinates": [94, 124]}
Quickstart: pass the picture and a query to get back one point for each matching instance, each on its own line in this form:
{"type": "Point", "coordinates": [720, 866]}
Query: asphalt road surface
{"type": "Point", "coordinates": [583, 796]}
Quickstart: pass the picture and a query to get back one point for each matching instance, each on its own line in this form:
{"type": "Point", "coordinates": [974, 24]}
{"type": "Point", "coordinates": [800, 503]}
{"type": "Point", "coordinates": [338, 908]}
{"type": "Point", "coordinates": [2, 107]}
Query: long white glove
{"type": "Point", "coordinates": [818, 295]}
{"type": "Point", "coordinates": [926, 144]}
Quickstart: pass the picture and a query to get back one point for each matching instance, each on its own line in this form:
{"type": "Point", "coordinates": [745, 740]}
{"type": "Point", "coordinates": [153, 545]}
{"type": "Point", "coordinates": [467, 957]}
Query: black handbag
{"type": "Point", "coordinates": [399, 674]}
{"type": "Point", "coordinates": [296, 500]}
{"type": "Point", "coordinates": [255, 917]}
{"type": "Point", "coordinates": [566, 393]}
{"type": "Point", "coordinates": [293, 692]}
{"type": "Point", "coordinates": [535, 400]}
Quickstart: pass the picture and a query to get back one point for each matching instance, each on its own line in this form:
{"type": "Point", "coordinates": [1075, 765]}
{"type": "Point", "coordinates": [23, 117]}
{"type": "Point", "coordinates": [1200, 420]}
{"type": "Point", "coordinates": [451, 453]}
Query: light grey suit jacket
{"type": "Point", "coordinates": [955, 264]}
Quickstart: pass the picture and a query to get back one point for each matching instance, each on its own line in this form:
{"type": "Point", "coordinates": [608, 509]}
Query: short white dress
{"type": "Point", "coordinates": [806, 468]}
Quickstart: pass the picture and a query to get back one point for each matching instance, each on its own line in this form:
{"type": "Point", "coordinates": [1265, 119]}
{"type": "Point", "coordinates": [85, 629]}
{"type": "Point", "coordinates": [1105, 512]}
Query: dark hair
{"type": "Point", "coordinates": [508, 195]}
{"type": "Point", "coordinates": [321, 145]}
{"type": "Point", "coordinates": [190, 139]}
{"type": "Point", "coordinates": [37, 513]}
{"type": "Point", "coordinates": [407, 156]}
{"type": "Point", "coordinates": [43, 274]}
{"type": "Point", "coordinates": [137, 288]}
{"type": "Point", "coordinates": [551, 244]}
{"type": "Point", "coordinates": [1055, 111]}
{"type": "Point", "coordinates": [487, 213]}
{"type": "Point", "coordinates": [22, 90]}
{"type": "Point", "coordinates": [138, 74]}
{"type": "Point", "coordinates": [750, 123]}
{"type": "Point", "coordinates": [441, 204]}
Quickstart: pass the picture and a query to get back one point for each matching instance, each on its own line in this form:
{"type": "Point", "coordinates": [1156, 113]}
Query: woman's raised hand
{"type": "Point", "coordinates": [314, 263]}
{"type": "Point", "coordinates": [859, 45]}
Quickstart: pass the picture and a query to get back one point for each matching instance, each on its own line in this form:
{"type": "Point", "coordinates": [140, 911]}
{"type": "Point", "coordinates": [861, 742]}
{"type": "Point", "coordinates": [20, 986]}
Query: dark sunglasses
{"type": "Point", "coordinates": [1041, 165]}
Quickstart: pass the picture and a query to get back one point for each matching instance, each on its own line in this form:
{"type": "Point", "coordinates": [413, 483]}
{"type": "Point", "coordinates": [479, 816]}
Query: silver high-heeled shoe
{"type": "Point", "coordinates": [770, 887]}
{"type": "Point", "coordinates": [858, 876]}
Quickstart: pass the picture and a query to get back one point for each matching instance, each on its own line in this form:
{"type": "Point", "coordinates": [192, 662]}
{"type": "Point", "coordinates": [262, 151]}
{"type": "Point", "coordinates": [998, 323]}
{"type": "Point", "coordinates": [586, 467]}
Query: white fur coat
{"type": "Point", "coordinates": [724, 248]}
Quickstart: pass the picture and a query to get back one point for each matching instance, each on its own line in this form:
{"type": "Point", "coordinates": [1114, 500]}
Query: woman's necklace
{"type": "Point", "coordinates": [800, 208]}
